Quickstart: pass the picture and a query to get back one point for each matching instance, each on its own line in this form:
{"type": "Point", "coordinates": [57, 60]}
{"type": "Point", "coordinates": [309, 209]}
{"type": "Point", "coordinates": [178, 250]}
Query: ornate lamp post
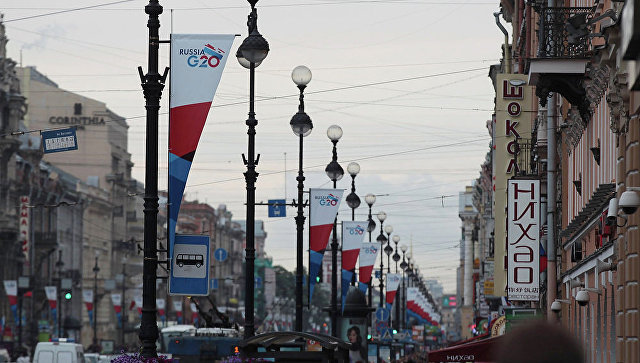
{"type": "Point", "coordinates": [353, 200]}
{"type": "Point", "coordinates": [301, 125]}
{"type": "Point", "coordinates": [382, 240]}
{"type": "Point", "coordinates": [403, 266]}
{"type": "Point", "coordinates": [388, 249]}
{"type": "Point", "coordinates": [122, 302]}
{"type": "Point", "coordinates": [334, 172]}
{"type": "Point", "coordinates": [96, 269]}
{"type": "Point", "coordinates": [59, 266]}
{"type": "Point", "coordinates": [251, 53]}
{"type": "Point", "coordinates": [396, 258]}
{"type": "Point", "coordinates": [370, 199]}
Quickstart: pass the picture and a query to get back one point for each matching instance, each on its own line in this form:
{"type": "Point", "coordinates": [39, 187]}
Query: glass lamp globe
{"type": "Point", "coordinates": [370, 199]}
{"type": "Point", "coordinates": [382, 216]}
{"type": "Point", "coordinates": [244, 62]}
{"type": "Point", "coordinates": [396, 239]}
{"type": "Point", "coordinates": [403, 248]}
{"type": "Point", "coordinates": [353, 168]}
{"type": "Point", "coordinates": [301, 75]}
{"type": "Point", "coordinates": [388, 229]}
{"type": "Point", "coordinates": [334, 132]}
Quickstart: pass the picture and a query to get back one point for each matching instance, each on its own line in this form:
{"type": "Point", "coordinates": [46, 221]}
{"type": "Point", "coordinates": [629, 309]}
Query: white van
{"type": "Point", "coordinates": [58, 352]}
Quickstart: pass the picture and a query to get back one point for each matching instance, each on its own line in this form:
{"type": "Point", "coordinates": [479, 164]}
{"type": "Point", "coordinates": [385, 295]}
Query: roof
{"type": "Point", "coordinates": [594, 207]}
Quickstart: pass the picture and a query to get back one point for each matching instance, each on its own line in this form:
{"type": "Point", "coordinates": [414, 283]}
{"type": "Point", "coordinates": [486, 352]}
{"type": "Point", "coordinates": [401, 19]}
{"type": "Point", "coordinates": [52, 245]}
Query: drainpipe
{"type": "Point", "coordinates": [551, 204]}
{"type": "Point", "coordinates": [507, 53]}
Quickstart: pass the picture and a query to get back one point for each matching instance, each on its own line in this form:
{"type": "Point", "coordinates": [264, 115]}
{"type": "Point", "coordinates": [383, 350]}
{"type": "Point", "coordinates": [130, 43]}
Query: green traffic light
{"type": "Point", "coordinates": [395, 331]}
{"type": "Point", "coordinates": [368, 336]}
{"type": "Point", "coordinates": [67, 296]}
{"type": "Point", "coordinates": [317, 278]}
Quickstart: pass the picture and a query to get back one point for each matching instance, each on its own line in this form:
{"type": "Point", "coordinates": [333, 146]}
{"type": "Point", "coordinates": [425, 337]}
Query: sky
{"type": "Point", "coordinates": [407, 80]}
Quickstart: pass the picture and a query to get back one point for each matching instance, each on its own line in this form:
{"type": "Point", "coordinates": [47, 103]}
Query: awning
{"type": "Point", "coordinates": [475, 351]}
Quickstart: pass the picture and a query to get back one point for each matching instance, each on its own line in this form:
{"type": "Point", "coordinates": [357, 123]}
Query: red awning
{"type": "Point", "coordinates": [475, 351]}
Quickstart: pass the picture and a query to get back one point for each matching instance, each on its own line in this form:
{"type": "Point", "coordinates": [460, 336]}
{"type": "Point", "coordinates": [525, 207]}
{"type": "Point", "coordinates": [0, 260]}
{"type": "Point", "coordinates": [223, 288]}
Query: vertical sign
{"type": "Point", "coordinates": [523, 234]}
{"type": "Point", "coordinates": [24, 227]}
{"type": "Point", "coordinates": [277, 208]}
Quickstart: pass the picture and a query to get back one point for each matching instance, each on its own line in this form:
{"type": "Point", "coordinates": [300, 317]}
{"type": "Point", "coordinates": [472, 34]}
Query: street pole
{"type": "Point", "coordinates": [152, 85]}
{"type": "Point", "coordinates": [59, 265]}
{"type": "Point", "coordinates": [381, 238]}
{"type": "Point", "coordinates": [96, 269]}
{"type": "Point", "coordinates": [123, 302]}
{"type": "Point", "coordinates": [335, 173]}
{"type": "Point", "coordinates": [301, 125]}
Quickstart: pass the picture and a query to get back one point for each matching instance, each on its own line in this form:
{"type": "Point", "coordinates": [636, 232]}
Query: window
{"type": "Point", "coordinates": [65, 357]}
{"type": "Point", "coordinates": [77, 109]}
{"type": "Point", "coordinates": [45, 356]}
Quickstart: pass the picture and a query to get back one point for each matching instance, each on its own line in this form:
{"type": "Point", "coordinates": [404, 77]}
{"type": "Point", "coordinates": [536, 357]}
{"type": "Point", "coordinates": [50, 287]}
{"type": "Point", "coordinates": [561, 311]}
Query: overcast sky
{"type": "Point", "coordinates": [407, 80]}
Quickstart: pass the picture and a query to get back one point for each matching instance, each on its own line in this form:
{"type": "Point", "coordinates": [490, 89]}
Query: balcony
{"type": "Point", "coordinates": [564, 33]}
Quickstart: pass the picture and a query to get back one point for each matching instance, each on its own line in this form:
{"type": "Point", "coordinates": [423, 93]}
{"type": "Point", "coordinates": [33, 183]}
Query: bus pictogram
{"type": "Point", "coordinates": [189, 259]}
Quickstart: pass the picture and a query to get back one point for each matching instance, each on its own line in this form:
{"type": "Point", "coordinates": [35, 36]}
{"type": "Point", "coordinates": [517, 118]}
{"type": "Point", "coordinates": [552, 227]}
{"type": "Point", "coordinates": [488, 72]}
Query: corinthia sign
{"type": "Point", "coordinates": [523, 237]}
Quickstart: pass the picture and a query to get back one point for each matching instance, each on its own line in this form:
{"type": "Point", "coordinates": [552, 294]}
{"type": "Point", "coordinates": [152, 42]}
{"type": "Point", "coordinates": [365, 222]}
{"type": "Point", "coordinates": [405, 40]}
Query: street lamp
{"type": "Point", "coordinates": [381, 239]}
{"type": "Point", "coordinates": [334, 172]}
{"type": "Point", "coordinates": [396, 258]}
{"type": "Point", "coordinates": [122, 302]}
{"type": "Point", "coordinates": [353, 200]}
{"type": "Point", "coordinates": [370, 199]}
{"type": "Point", "coordinates": [251, 53]}
{"type": "Point", "coordinates": [388, 249]}
{"type": "Point", "coordinates": [403, 266]}
{"type": "Point", "coordinates": [59, 266]}
{"type": "Point", "coordinates": [301, 125]}
{"type": "Point", "coordinates": [96, 269]}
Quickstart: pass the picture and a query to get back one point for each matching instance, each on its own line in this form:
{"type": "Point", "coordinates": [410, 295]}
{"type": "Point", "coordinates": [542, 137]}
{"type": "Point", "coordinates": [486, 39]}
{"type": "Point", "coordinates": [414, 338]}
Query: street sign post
{"type": "Point", "coordinates": [277, 208]}
{"type": "Point", "coordinates": [190, 266]}
{"type": "Point", "coordinates": [59, 140]}
{"type": "Point", "coordinates": [382, 314]}
{"type": "Point", "coordinates": [220, 254]}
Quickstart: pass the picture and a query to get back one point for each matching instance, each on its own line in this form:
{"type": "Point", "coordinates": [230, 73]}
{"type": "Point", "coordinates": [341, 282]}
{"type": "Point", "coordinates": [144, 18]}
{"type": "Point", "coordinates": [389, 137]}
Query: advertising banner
{"type": "Point", "coordinates": [11, 289]}
{"type": "Point", "coordinates": [177, 307]}
{"type": "Point", "coordinates": [194, 314]}
{"type": "Point", "coordinates": [523, 237]}
{"type": "Point", "coordinates": [116, 300]}
{"type": "Point", "coordinates": [197, 62]}
{"type": "Point", "coordinates": [352, 236]}
{"type": "Point", "coordinates": [87, 298]}
{"type": "Point", "coordinates": [393, 281]}
{"type": "Point", "coordinates": [323, 209]}
{"type": "Point", "coordinates": [25, 243]}
{"type": "Point", "coordinates": [368, 254]}
{"type": "Point", "coordinates": [161, 305]}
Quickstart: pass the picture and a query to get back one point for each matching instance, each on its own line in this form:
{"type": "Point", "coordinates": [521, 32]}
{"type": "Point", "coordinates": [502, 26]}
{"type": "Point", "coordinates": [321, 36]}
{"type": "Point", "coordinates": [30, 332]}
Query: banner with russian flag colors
{"type": "Point", "coordinates": [161, 305]}
{"type": "Point", "coordinates": [368, 255]}
{"type": "Point", "coordinates": [393, 281]}
{"type": "Point", "coordinates": [177, 307]}
{"type": "Point", "coordinates": [194, 314]}
{"type": "Point", "coordinates": [352, 236]}
{"type": "Point", "coordinates": [87, 298]}
{"type": "Point", "coordinates": [52, 297]}
{"type": "Point", "coordinates": [116, 300]}
{"type": "Point", "coordinates": [11, 289]}
{"type": "Point", "coordinates": [197, 62]}
{"type": "Point", "coordinates": [323, 209]}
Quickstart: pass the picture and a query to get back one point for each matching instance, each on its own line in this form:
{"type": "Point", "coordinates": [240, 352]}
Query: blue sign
{"type": "Point", "coordinates": [190, 266]}
{"type": "Point", "coordinates": [220, 254]}
{"type": "Point", "coordinates": [277, 208]}
{"type": "Point", "coordinates": [377, 274]}
{"type": "Point", "coordinates": [213, 284]}
{"type": "Point", "coordinates": [258, 282]}
{"type": "Point", "coordinates": [382, 314]}
{"type": "Point", "coordinates": [59, 140]}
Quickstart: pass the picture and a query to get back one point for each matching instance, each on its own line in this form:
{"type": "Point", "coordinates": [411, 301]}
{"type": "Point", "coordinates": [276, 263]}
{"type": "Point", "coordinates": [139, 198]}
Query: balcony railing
{"type": "Point", "coordinates": [559, 36]}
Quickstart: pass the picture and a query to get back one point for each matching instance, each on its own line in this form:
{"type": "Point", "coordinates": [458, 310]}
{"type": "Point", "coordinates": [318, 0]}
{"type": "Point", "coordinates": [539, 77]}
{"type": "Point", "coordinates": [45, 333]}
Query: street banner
{"type": "Point", "coordinates": [393, 281]}
{"type": "Point", "coordinates": [269, 285]}
{"type": "Point", "coordinates": [161, 305]}
{"type": "Point", "coordinates": [11, 289]}
{"type": "Point", "coordinates": [116, 300]}
{"type": "Point", "coordinates": [23, 228]}
{"type": "Point", "coordinates": [368, 254]}
{"type": "Point", "coordinates": [523, 240]}
{"type": "Point", "coordinates": [177, 307]}
{"type": "Point", "coordinates": [87, 298]}
{"type": "Point", "coordinates": [194, 314]}
{"type": "Point", "coordinates": [352, 236]}
{"type": "Point", "coordinates": [52, 297]}
{"type": "Point", "coordinates": [197, 62]}
{"type": "Point", "coordinates": [138, 301]}
{"type": "Point", "coordinates": [323, 209]}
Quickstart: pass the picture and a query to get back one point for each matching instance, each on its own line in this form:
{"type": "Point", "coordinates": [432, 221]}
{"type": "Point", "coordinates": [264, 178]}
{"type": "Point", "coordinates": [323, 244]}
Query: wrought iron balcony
{"type": "Point", "coordinates": [564, 32]}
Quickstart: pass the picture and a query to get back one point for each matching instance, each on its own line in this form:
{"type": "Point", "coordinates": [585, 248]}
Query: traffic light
{"type": "Point", "coordinates": [67, 295]}
{"type": "Point", "coordinates": [319, 277]}
{"type": "Point", "coordinates": [395, 331]}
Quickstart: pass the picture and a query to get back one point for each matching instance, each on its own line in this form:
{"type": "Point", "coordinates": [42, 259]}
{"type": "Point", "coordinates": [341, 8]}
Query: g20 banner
{"type": "Point", "coordinates": [323, 209]}
{"type": "Point", "coordinates": [352, 235]}
{"type": "Point", "coordinates": [197, 61]}
{"type": "Point", "coordinates": [368, 254]}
